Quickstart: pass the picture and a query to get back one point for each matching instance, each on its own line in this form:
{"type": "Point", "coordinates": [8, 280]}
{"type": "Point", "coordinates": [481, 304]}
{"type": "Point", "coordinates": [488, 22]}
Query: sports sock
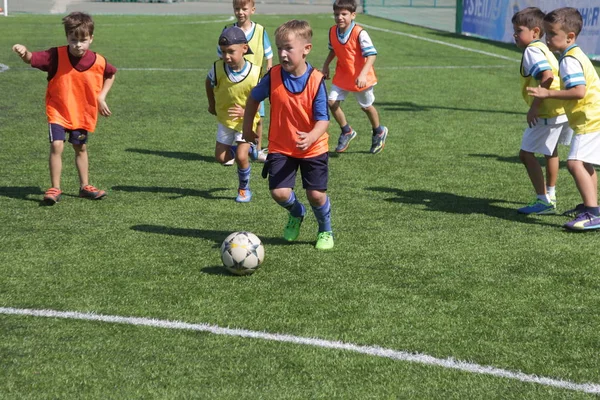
{"type": "Point", "coordinates": [323, 215]}
{"type": "Point", "coordinates": [292, 204]}
{"type": "Point", "coordinates": [244, 178]}
{"type": "Point", "coordinates": [544, 197]}
{"type": "Point", "coordinates": [346, 129]}
{"type": "Point", "coordinates": [378, 130]}
{"type": "Point", "coordinates": [551, 190]}
{"type": "Point", "coordinates": [595, 211]}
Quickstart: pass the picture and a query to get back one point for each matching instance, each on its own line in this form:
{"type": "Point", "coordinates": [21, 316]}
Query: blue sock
{"type": "Point", "coordinates": [378, 130]}
{"type": "Point", "coordinates": [244, 178]}
{"type": "Point", "coordinates": [295, 208]}
{"type": "Point", "coordinates": [346, 129]}
{"type": "Point", "coordinates": [323, 215]}
{"type": "Point", "coordinates": [595, 211]}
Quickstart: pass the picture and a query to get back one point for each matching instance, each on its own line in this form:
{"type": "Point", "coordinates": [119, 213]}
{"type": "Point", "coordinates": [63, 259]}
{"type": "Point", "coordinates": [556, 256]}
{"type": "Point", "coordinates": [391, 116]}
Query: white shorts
{"type": "Point", "coordinates": [546, 135]}
{"type": "Point", "coordinates": [586, 148]}
{"type": "Point", "coordinates": [227, 135]}
{"type": "Point", "coordinates": [365, 99]}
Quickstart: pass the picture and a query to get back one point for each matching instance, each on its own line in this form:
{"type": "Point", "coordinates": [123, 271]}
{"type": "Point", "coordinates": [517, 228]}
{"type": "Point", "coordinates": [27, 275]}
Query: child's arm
{"type": "Point", "coordinates": [269, 63]}
{"type": "Point", "coordinates": [361, 79]}
{"type": "Point", "coordinates": [250, 111]}
{"type": "Point", "coordinates": [210, 95]}
{"type": "Point", "coordinates": [22, 52]}
{"type": "Point", "coordinates": [574, 93]}
{"type": "Point", "coordinates": [545, 81]}
{"type": "Point", "coordinates": [306, 139]}
{"type": "Point", "coordinates": [328, 60]}
{"type": "Point", "coordinates": [102, 106]}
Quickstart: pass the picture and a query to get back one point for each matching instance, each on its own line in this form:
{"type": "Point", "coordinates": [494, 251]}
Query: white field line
{"type": "Point", "coordinates": [440, 42]}
{"type": "Point", "coordinates": [376, 351]}
{"type": "Point", "coordinates": [4, 67]}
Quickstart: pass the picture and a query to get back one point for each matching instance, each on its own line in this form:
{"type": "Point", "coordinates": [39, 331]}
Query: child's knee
{"type": "Point", "coordinates": [316, 198]}
{"type": "Point", "coordinates": [333, 104]}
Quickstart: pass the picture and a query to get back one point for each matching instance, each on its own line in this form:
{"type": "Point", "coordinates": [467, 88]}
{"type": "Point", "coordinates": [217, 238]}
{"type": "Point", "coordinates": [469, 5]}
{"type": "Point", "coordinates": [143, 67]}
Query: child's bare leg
{"type": "Point", "coordinates": [82, 164]}
{"type": "Point", "coordinates": [241, 155]}
{"type": "Point", "coordinates": [373, 116]}
{"type": "Point", "coordinates": [316, 198]}
{"type": "Point", "coordinates": [534, 170]}
{"type": "Point", "coordinates": [223, 153]}
{"type": "Point", "coordinates": [552, 166]}
{"type": "Point", "coordinates": [281, 195]}
{"type": "Point", "coordinates": [586, 181]}
{"type": "Point", "coordinates": [337, 112]}
{"type": "Point", "coordinates": [55, 162]}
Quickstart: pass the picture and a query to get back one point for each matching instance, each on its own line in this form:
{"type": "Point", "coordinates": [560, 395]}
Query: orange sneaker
{"type": "Point", "coordinates": [90, 192]}
{"type": "Point", "coordinates": [52, 196]}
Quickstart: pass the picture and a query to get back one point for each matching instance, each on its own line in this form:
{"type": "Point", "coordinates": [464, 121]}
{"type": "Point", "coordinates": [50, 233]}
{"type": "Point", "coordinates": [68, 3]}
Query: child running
{"type": "Point", "coordinates": [297, 131]}
{"type": "Point", "coordinates": [354, 73]}
{"type": "Point", "coordinates": [78, 82]}
{"type": "Point", "coordinates": [580, 93]}
{"type": "Point", "coordinates": [547, 123]}
{"type": "Point", "coordinates": [228, 85]}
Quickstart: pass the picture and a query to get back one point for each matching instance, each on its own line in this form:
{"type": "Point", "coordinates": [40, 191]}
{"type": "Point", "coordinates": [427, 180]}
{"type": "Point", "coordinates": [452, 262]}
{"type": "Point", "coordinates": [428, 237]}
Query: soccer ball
{"type": "Point", "coordinates": [242, 253]}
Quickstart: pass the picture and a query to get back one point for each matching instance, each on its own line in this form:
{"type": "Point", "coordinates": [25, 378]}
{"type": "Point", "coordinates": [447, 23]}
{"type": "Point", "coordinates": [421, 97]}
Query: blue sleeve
{"type": "Point", "coordinates": [320, 107]}
{"type": "Point", "coordinates": [261, 91]}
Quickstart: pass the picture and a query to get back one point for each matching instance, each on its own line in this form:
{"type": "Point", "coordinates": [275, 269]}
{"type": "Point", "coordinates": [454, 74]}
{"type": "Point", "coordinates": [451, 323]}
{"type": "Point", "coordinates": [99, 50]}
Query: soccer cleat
{"type": "Point", "coordinates": [52, 196]}
{"type": "Point", "coordinates": [538, 207]}
{"type": "Point", "coordinates": [579, 208]}
{"type": "Point", "coordinates": [244, 196]}
{"type": "Point", "coordinates": [585, 221]}
{"type": "Point", "coordinates": [324, 241]}
{"type": "Point", "coordinates": [292, 229]}
{"type": "Point", "coordinates": [90, 192]}
{"type": "Point", "coordinates": [253, 152]}
{"type": "Point", "coordinates": [344, 141]}
{"type": "Point", "coordinates": [378, 141]}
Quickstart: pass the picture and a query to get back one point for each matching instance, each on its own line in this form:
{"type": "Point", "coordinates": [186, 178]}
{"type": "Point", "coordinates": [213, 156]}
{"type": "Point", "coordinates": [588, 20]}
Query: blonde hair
{"type": "Point", "coordinates": [296, 27]}
{"type": "Point", "coordinates": [241, 3]}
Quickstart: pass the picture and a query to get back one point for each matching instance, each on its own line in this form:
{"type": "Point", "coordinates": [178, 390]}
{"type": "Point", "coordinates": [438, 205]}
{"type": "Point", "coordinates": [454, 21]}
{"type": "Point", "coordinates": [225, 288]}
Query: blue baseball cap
{"type": "Point", "coordinates": [233, 35]}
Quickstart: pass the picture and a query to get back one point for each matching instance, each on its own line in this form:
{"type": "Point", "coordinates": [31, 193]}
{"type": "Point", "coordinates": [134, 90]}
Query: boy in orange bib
{"type": "Point", "coordinates": [354, 73]}
{"type": "Point", "coordinates": [78, 82]}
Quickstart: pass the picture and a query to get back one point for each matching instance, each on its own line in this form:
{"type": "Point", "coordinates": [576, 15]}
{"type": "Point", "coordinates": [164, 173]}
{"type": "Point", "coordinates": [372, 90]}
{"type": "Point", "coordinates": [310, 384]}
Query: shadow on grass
{"type": "Point", "coordinates": [178, 192]}
{"type": "Point", "coordinates": [456, 204]}
{"type": "Point", "coordinates": [216, 236]}
{"type": "Point", "coordinates": [410, 106]}
{"type": "Point", "coordinates": [515, 159]}
{"type": "Point", "coordinates": [181, 155]}
{"type": "Point", "coordinates": [21, 192]}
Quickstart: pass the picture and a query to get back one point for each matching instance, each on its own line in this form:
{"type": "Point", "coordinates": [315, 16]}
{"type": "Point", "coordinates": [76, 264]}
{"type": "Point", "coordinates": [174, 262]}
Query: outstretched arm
{"type": "Point", "coordinates": [22, 52]}
{"type": "Point", "coordinates": [574, 93]}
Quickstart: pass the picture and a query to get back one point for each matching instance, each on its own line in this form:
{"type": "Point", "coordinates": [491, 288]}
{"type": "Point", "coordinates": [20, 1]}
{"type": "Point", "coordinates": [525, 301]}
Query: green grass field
{"type": "Point", "coordinates": [430, 257]}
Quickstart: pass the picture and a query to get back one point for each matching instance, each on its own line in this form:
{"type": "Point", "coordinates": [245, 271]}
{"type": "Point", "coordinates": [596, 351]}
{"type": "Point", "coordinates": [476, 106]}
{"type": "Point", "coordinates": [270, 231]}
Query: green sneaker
{"type": "Point", "coordinates": [292, 229]}
{"type": "Point", "coordinates": [324, 241]}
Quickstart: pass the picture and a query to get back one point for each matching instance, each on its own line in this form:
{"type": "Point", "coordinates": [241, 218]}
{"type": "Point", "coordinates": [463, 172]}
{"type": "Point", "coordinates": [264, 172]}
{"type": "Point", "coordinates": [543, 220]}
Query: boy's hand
{"type": "Point", "coordinates": [103, 108]}
{"type": "Point", "coordinates": [361, 81]}
{"type": "Point", "coordinates": [236, 111]}
{"type": "Point", "coordinates": [325, 71]}
{"type": "Point", "coordinates": [249, 137]}
{"type": "Point", "coordinates": [304, 140]}
{"type": "Point", "coordinates": [532, 116]}
{"type": "Point", "coordinates": [539, 92]}
{"type": "Point", "coordinates": [212, 110]}
{"type": "Point", "coordinates": [20, 50]}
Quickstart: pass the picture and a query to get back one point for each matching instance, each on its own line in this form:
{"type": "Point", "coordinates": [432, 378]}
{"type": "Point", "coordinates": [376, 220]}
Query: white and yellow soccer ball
{"type": "Point", "coordinates": [242, 253]}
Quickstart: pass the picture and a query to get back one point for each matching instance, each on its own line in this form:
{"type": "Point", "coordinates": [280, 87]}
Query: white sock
{"type": "Point", "coordinates": [544, 197]}
{"type": "Point", "coordinates": [551, 190]}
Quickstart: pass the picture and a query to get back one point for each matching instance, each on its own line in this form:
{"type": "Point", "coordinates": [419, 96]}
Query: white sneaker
{"type": "Point", "coordinates": [262, 155]}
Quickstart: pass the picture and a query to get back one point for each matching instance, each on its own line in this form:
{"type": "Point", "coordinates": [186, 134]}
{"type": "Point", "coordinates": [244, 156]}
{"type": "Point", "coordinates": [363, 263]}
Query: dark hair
{"type": "Point", "coordinates": [79, 24]}
{"type": "Point", "coordinates": [296, 27]}
{"type": "Point", "coordinates": [349, 5]}
{"type": "Point", "coordinates": [568, 17]}
{"type": "Point", "coordinates": [531, 17]}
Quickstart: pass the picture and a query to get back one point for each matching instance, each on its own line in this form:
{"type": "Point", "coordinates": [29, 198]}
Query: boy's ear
{"type": "Point", "coordinates": [537, 32]}
{"type": "Point", "coordinates": [307, 48]}
{"type": "Point", "coordinates": [91, 39]}
{"type": "Point", "coordinates": [571, 37]}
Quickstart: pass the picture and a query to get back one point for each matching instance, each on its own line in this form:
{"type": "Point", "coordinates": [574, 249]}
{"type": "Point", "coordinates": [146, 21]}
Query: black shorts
{"type": "Point", "coordinates": [282, 171]}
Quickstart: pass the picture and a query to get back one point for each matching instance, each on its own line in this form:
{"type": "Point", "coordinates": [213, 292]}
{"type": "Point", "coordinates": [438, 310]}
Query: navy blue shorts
{"type": "Point", "coordinates": [76, 136]}
{"type": "Point", "coordinates": [282, 171]}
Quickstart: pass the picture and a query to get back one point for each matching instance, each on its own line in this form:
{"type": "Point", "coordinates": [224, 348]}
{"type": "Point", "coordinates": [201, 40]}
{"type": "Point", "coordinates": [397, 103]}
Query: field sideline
{"type": "Point", "coordinates": [431, 259]}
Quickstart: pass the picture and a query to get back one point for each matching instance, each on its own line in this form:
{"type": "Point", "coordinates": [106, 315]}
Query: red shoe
{"type": "Point", "coordinates": [90, 192]}
{"type": "Point", "coordinates": [52, 196]}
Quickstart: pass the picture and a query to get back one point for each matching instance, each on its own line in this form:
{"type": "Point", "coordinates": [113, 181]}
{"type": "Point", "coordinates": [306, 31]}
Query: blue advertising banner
{"type": "Point", "coordinates": [490, 19]}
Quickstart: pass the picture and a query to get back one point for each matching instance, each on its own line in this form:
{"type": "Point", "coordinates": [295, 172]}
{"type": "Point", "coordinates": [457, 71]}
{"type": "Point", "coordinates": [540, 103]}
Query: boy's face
{"type": "Point", "coordinates": [343, 19]}
{"type": "Point", "coordinates": [233, 55]}
{"type": "Point", "coordinates": [243, 12]}
{"type": "Point", "coordinates": [523, 35]}
{"type": "Point", "coordinates": [556, 38]}
{"type": "Point", "coordinates": [78, 45]}
{"type": "Point", "coordinates": [292, 51]}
